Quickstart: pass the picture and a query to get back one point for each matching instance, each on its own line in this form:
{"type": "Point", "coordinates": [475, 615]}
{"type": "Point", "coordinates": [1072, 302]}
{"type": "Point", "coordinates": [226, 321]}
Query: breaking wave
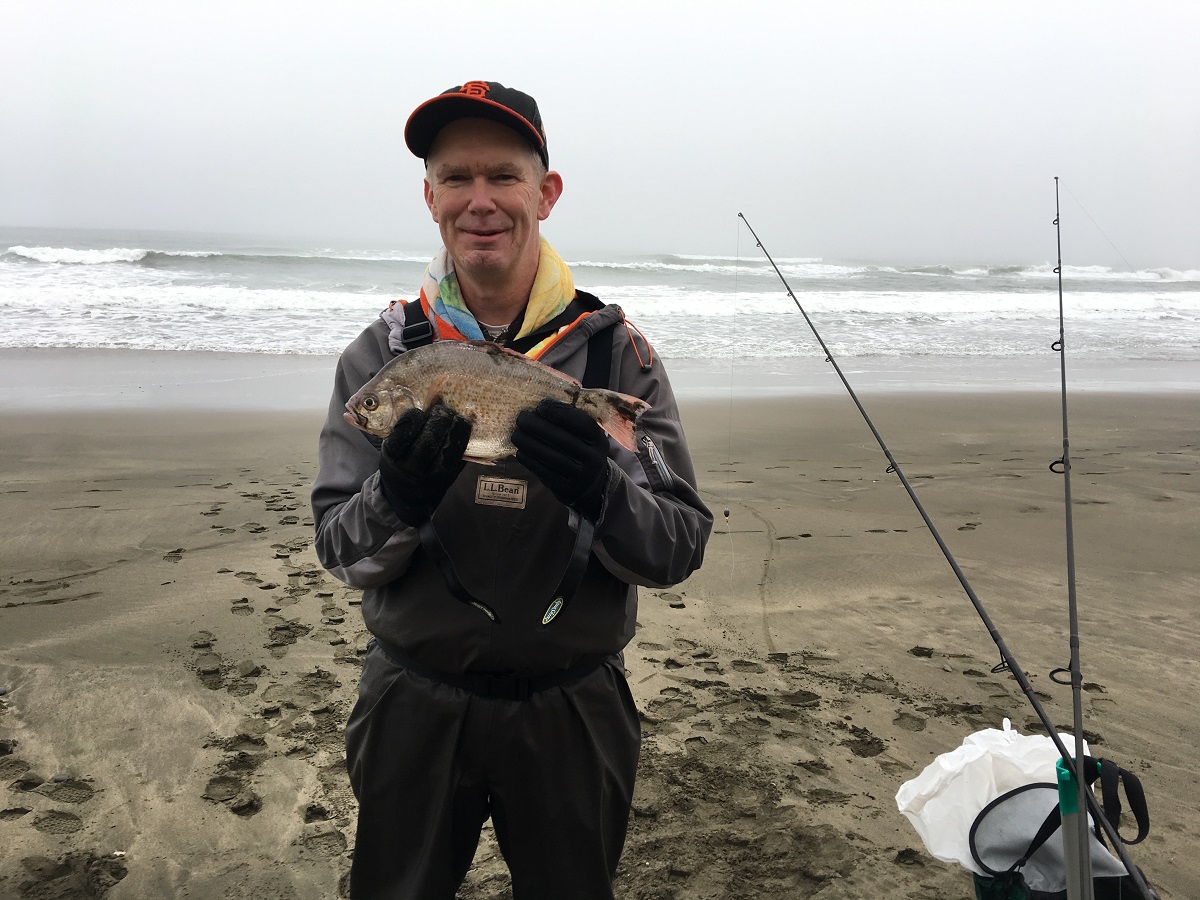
{"type": "Point", "coordinates": [112, 255]}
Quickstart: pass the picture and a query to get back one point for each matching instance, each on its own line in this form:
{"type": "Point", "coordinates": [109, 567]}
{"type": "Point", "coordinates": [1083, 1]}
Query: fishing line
{"type": "Point", "coordinates": [1008, 661]}
{"type": "Point", "coordinates": [1103, 234]}
{"type": "Point", "coordinates": [737, 269]}
{"type": "Point", "coordinates": [1093, 221]}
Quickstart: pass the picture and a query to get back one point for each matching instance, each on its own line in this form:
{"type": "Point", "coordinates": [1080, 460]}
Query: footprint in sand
{"type": "Point", "coordinates": [234, 793]}
{"type": "Point", "coordinates": [671, 705]}
{"type": "Point", "coordinates": [323, 839]}
{"type": "Point", "coordinates": [66, 789]}
{"type": "Point", "coordinates": [826, 797]}
{"type": "Point", "coordinates": [27, 779]}
{"type": "Point", "coordinates": [863, 744]}
{"type": "Point", "coordinates": [24, 779]}
{"type": "Point", "coordinates": [282, 634]}
{"type": "Point", "coordinates": [336, 794]}
{"type": "Point", "coordinates": [209, 669]}
{"type": "Point", "coordinates": [57, 822]}
{"type": "Point", "coordinates": [74, 875]}
{"type": "Point", "coordinates": [316, 686]}
{"type": "Point", "coordinates": [909, 722]}
{"type": "Point", "coordinates": [746, 665]}
{"type": "Point", "coordinates": [202, 640]}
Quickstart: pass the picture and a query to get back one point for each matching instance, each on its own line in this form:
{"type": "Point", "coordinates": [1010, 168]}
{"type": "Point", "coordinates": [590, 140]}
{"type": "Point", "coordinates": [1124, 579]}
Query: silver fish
{"type": "Point", "coordinates": [488, 385]}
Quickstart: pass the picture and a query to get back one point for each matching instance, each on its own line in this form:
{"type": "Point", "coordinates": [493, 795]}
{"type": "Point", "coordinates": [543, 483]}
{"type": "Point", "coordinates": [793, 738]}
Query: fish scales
{"type": "Point", "coordinates": [486, 384]}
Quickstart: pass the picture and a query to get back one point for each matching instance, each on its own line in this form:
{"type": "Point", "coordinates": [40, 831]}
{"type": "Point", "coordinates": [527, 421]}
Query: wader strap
{"type": "Point", "coordinates": [417, 331]}
{"type": "Point", "coordinates": [597, 371]}
{"type": "Point", "coordinates": [567, 586]}
{"type": "Point", "coordinates": [433, 547]}
{"type": "Point", "coordinates": [501, 686]}
{"type": "Point", "coordinates": [598, 368]}
{"type": "Point", "coordinates": [576, 567]}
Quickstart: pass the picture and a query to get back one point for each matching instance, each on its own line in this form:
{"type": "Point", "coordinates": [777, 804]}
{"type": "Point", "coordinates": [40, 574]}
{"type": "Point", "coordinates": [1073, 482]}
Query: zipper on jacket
{"type": "Point", "coordinates": [664, 476]}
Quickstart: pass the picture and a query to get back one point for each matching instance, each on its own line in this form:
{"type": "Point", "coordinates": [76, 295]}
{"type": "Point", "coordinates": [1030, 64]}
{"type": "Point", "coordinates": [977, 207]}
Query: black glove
{"type": "Point", "coordinates": [565, 448]}
{"type": "Point", "coordinates": [420, 460]}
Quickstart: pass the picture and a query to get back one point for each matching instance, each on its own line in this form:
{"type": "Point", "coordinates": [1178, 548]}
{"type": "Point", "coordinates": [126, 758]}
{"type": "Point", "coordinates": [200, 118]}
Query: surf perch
{"type": "Point", "coordinates": [488, 385]}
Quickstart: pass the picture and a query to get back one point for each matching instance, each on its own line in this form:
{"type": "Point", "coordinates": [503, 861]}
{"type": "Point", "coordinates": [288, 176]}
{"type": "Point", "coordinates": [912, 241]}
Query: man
{"type": "Point", "coordinates": [513, 703]}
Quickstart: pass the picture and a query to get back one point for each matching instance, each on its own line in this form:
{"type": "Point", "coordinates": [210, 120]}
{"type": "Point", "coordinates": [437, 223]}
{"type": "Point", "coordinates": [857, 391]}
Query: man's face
{"type": "Point", "coordinates": [485, 189]}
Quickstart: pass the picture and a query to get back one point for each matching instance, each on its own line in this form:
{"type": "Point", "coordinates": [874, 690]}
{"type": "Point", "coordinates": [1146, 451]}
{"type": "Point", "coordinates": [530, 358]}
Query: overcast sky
{"type": "Point", "coordinates": [899, 131]}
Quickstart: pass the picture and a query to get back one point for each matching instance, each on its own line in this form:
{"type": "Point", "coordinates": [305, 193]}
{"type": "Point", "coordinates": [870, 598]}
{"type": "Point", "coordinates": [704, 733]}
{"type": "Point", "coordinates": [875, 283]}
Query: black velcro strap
{"type": "Point", "coordinates": [598, 368]}
{"type": "Point", "coordinates": [1112, 778]}
{"type": "Point", "coordinates": [417, 331]}
{"type": "Point", "coordinates": [435, 550]}
{"type": "Point", "coordinates": [576, 567]}
{"type": "Point", "coordinates": [499, 685]}
{"type": "Point", "coordinates": [1050, 825]}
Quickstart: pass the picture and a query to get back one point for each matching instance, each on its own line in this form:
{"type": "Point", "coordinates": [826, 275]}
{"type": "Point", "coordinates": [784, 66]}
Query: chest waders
{"type": "Point", "coordinates": [417, 333]}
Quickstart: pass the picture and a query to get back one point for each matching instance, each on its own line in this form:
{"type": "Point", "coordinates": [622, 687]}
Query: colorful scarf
{"type": "Point", "coordinates": [553, 289]}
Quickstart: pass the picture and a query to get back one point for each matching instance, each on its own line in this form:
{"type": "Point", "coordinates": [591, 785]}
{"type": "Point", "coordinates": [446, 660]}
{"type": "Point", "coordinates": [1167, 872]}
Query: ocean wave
{"type": "Point", "coordinates": [1106, 273]}
{"type": "Point", "coordinates": [72, 256]}
{"type": "Point", "coordinates": [91, 257]}
{"type": "Point", "coordinates": [705, 268]}
{"type": "Point", "coordinates": [798, 268]}
{"type": "Point", "coordinates": [679, 322]}
{"type": "Point", "coordinates": [672, 257]}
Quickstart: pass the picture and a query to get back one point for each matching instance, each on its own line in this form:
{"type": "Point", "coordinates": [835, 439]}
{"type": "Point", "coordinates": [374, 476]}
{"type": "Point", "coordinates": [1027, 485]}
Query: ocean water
{"type": "Point", "coordinates": [194, 292]}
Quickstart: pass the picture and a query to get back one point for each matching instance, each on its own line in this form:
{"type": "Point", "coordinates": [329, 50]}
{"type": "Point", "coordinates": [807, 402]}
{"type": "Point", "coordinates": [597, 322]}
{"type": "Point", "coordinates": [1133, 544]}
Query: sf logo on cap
{"type": "Point", "coordinates": [476, 88]}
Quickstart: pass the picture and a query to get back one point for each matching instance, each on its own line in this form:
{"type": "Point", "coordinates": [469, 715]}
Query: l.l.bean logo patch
{"type": "Point", "coordinates": [510, 492]}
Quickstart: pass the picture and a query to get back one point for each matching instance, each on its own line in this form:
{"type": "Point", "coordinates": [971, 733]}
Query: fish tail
{"type": "Point", "coordinates": [618, 415]}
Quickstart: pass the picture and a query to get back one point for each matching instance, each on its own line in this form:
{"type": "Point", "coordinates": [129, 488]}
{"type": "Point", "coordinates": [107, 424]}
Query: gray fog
{"type": "Point", "coordinates": [888, 131]}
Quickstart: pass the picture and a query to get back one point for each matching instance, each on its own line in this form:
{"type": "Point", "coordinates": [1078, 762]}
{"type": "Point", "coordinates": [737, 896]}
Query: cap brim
{"type": "Point", "coordinates": [433, 115]}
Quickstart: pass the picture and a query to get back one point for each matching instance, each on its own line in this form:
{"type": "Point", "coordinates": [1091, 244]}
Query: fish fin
{"type": "Point", "coordinates": [623, 411]}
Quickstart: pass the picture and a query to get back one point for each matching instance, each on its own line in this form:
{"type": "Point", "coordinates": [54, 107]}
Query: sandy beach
{"type": "Point", "coordinates": [177, 667]}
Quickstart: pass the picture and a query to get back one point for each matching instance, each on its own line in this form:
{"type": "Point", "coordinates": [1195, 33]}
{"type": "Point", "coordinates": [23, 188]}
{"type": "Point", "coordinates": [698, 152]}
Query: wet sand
{"type": "Point", "coordinates": [178, 668]}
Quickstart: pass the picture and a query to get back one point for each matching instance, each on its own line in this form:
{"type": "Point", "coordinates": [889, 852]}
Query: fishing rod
{"type": "Point", "coordinates": [1075, 825]}
{"type": "Point", "coordinates": [1008, 661]}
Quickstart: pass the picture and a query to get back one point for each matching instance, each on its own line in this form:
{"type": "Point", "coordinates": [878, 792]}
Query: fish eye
{"type": "Point", "coordinates": [370, 403]}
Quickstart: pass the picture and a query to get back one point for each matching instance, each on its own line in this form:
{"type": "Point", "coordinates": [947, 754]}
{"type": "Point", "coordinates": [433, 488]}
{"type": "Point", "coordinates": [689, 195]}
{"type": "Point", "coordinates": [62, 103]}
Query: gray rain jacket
{"type": "Point", "coordinates": [652, 531]}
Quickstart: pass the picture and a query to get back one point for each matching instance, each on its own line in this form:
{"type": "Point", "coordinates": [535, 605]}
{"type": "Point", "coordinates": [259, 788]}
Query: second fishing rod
{"type": "Point", "coordinates": [1008, 661]}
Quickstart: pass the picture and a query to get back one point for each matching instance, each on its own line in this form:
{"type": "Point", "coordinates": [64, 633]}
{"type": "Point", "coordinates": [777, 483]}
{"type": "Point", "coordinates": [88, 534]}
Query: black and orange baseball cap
{"type": "Point", "coordinates": [476, 99]}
